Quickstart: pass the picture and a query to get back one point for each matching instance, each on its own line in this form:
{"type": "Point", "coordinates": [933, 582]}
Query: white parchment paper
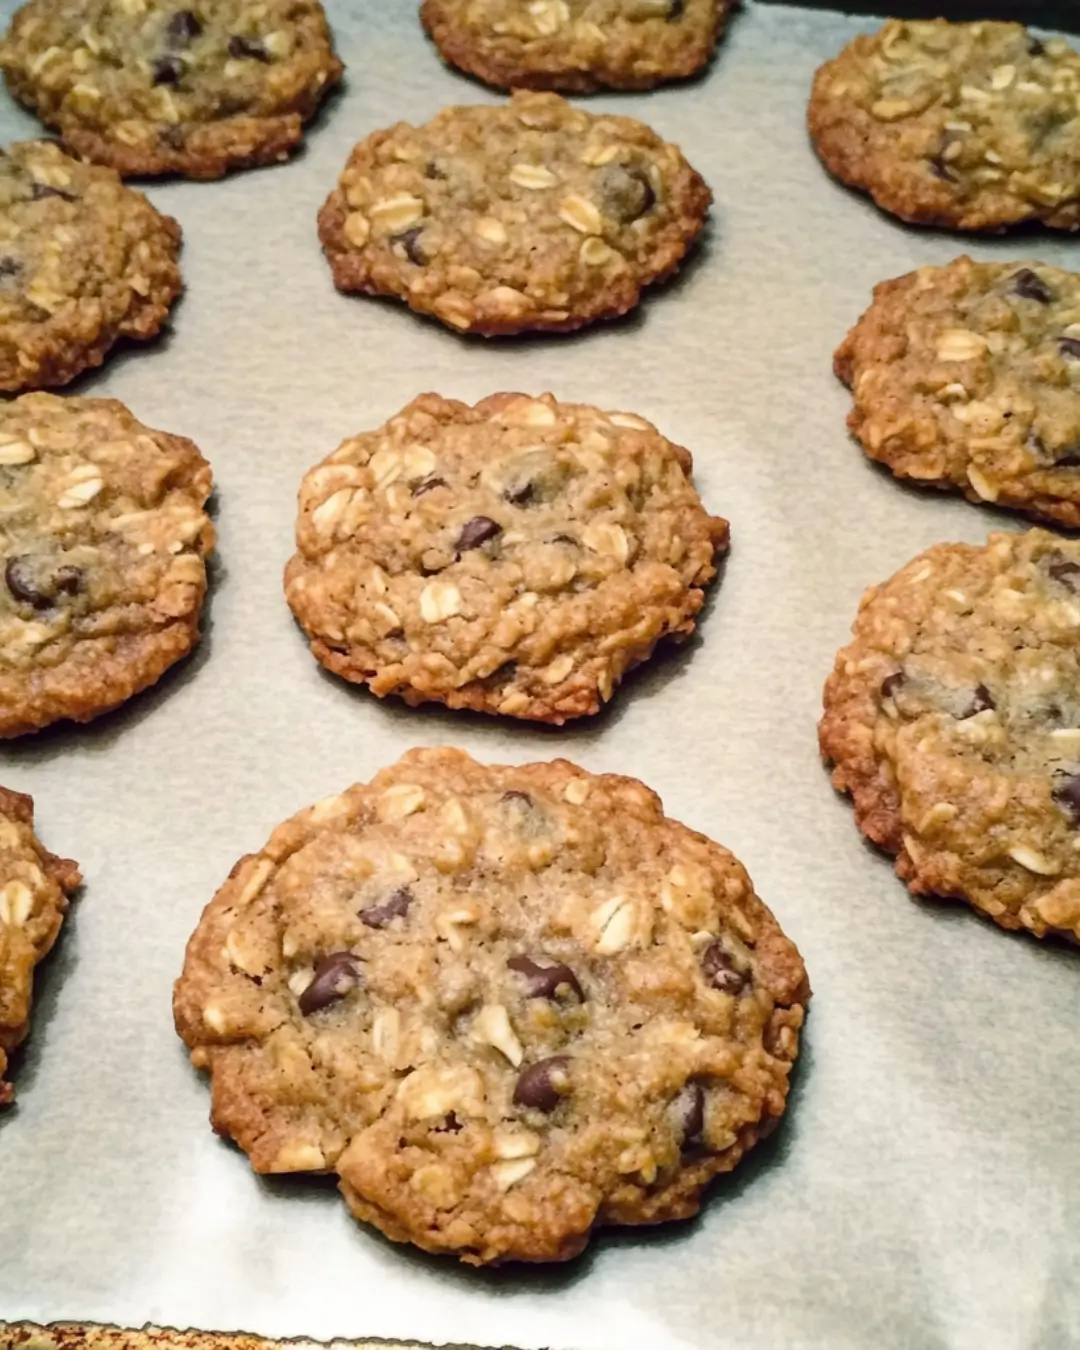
{"type": "Point", "coordinates": [924, 1191]}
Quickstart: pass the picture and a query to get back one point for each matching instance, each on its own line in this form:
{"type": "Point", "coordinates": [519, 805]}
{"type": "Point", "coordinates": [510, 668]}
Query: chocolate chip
{"type": "Point", "coordinates": [1035, 47]}
{"type": "Point", "coordinates": [676, 11]}
{"type": "Point", "coordinates": [168, 70]}
{"type": "Point", "coordinates": [34, 584]}
{"type": "Point", "coordinates": [476, 532]}
{"type": "Point", "coordinates": [10, 267]}
{"type": "Point", "coordinates": [40, 190]}
{"type": "Point", "coordinates": [515, 796]}
{"type": "Point", "coordinates": [981, 701]}
{"type": "Point", "coordinates": [1066, 573]}
{"type": "Point", "coordinates": [941, 170]}
{"type": "Point", "coordinates": [335, 976]}
{"type": "Point", "coordinates": [1066, 793]}
{"type": "Point", "coordinates": [252, 48]}
{"type": "Point", "coordinates": [1030, 286]}
{"type": "Point", "coordinates": [1070, 459]}
{"type": "Point", "coordinates": [520, 494]}
{"type": "Point", "coordinates": [688, 1113]}
{"type": "Point", "coordinates": [891, 683]}
{"type": "Point", "coordinates": [1069, 346]}
{"type": "Point", "coordinates": [182, 28]}
{"type": "Point", "coordinates": [720, 970]}
{"type": "Point", "coordinates": [426, 484]}
{"type": "Point", "coordinates": [396, 907]}
{"type": "Point", "coordinates": [410, 242]}
{"type": "Point", "coordinates": [543, 1084]}
{"type": "Point", "coordinates": [546, 981]}
{"type": "Point", "coordinates": [626, 194]}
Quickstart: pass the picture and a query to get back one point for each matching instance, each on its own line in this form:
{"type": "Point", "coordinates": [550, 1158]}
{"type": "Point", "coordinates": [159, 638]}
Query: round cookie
{"type": "Point", "coordinates": [974, 126]}
{"type": "Point", "coordinates": [102, 542]}
{"type": "Point", "coordinates": [517, 557]}
{"type": "Point", "coordinates": [576, 45]}
{"type": "Point", "coordinates": [528, 215]}
{"type": "Point", "coordinates": [953, 720]}
{"type": "Point", "coordinates": [154, 87]}
{"type": "Point", "coordinates": [502, 1004]}
{"type": "Point", "coordinates": [34, 890]}
{"type": "Point", "coordinates": [84, 261]}
{"type": "Point", "coordinates": [968, 376]}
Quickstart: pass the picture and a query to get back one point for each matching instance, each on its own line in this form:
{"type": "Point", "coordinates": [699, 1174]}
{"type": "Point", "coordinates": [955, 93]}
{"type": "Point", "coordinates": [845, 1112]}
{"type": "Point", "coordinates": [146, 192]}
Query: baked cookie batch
{"type": "Point", "coordinates": [507, 1005]}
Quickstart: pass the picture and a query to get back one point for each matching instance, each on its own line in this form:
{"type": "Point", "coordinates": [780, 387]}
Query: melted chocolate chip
{"type": "Point", "coordinates": [33, 584]}
{"type": "Point", "coordinates": [941, 170]}
{"type": "Point", "coordinates": [1069, 346]}
{"type": "Point", "coordinates": [335, 976]}
{"type": "Point", "coordinates": [688, 1114]}
{"type": "Point", "coordinates": [546, 981]}
{"type": "Point", "coordinates": [1035, 47]}
{"type": "Point", "coordinates": [1030, 286]}
{"type": "Point", "coordinates": [41, 190]}
{"type": "Point", "coordinates": [891, 683]}
{"type": "Point", "coordinates": [626, 194]}
{"type": "Point", "coordinates": [520, 494]}
{"type": "Point", "coordinates": [396, 907]}
{"type": "Point", "coordinates": [543, 1084]}
{"type": "Point", "coordinates": [426, 484]}
{"type": "Point", "coordinates": [981, 701]}
{"type": "Point", "coordinates": [1066, 793]}
{"type": "Point", "coordinates": [252, 48]}
{"type": "Point", "coordinates": [1066, 573]}
{"type": "Point", "coordinates": [168, 70]}
{"type": "Point", "coordinates": [676, 11]}
{"type": "Point", "coordinates": [410, 242]}
{"type": "Point", "coordinates": [10, 267]}
{"type": "Point", "coordinates": [182, 28]}
{"type": "Point", "coordinates": [477, 531]}
{"type": "Point", "coordinates": [720, 970]}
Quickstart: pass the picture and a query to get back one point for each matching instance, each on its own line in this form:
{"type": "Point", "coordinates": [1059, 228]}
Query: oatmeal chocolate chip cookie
{"type": "Point", "coordinates": [517, 557]}
{"type": "Point", "coordinates": [502, 1004]}
{"type": "Point", "coordinates": [34, 890]}
{"type": "Point", "coordinates": [530, 215]}
{"type": "Point", "coordinates": [579, 45]}
{"type": "Point", "coordinates": [84, 261]}
{"type": "Point", "coordinates": [969, 125]}
{"type": "Point", "coordinates": [152, 86]}
{"type": "Point", "coordinates": [102, 542]}
{"type": "Point", "coordinates": [953, 719]}
{"type": "Point", "coordinates": [968, 376]}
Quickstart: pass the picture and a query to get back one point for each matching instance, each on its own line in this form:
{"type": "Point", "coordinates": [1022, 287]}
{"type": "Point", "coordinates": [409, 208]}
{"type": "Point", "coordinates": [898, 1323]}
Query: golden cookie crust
{"type": "Point", "coordinates": [504, 1005]}
{"type": "Point", "coordinates": [34, 890]}
{"type": "Point", "coordinates": [973, 126]}
{"type": "Point", "coordinates": [159, 87]}
{"type": "Point", "coordinates": [968, 376]}
{"type": "Point", "coordinates": [102, 549]}
{"type": "Point", "coordinates": [516, 557]}
{"type": "Point", "coordinates": [529, 215]}
{"type": "Point", "coordinates": [576, 45]}
{"type": "Point", "coordinates": [953, 720]}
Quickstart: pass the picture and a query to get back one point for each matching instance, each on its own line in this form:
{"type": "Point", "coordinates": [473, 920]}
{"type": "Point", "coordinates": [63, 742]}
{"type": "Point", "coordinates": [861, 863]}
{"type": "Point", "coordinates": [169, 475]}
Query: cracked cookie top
{"type": "Point", "coordinates": [529, 215]}
{"type": "Point", "coordinates": [503, 1004]}
{"type": "Point", "coordinates": [969, 125]}
{"type": "Point", "coordinates": [517, 557]}
{"type": "Point", "coordinates": [34, 890]}
{"type": "Point", "coordinates": [579, 45]}
{"type": "Point", "coordinates": [953, 719]}
{"type": "Point", "coordinates": [103, 537]}
{"type": "Point", "coordinates": [152, 86]}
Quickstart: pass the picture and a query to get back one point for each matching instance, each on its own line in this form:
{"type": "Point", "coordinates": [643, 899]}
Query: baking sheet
{"type": "Point", "coordinates": [924, 1190]}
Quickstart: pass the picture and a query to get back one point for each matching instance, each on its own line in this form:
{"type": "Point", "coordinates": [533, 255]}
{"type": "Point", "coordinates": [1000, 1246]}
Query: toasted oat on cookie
{"type": "Point", "coordinates": [517, 557]}
{"type": "Point", "coordinates": [504, 1005]}
{"type": "Point", "coordinates": [969, 125]}
{"type": "Point", "coordinates": [968, 376]}
{"type": "Point", "coordinates": [34, 891]}
{"type": "Point", "coordinates": [84, 262]}
{"type": "Point", "coordinates": [953, 720]}
{"type": "Point", "coordinates": [576, 45]}
{"type": "Point", "coordinates": [103, 538]}
{"type": "Point", "coordinates": [528, 215]}
{"type": "Point", "coordinates": [156, 86]}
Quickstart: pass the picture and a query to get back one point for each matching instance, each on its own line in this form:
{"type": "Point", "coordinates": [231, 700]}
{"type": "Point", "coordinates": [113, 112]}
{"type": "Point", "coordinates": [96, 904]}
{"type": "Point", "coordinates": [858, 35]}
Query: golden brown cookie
{"type": "Point", "coordinates": [953, 720]}
{"type": "Point", "coordinates": [504, 1005]}
{"type": "Point", "coordinates": [153, 87]}
{"type": "Point", "coordinates": [34, 891]}
{"type": "Point", "coordinates": [576, 45]}
{"type": "Point", "coordinates": [969, 125]}
{"type": "Point", "coordinates": [103, 536]}
{"type": "Point", "coordinates": [517, 557]}
{"type": "Point", "coordinates": [530, 215]}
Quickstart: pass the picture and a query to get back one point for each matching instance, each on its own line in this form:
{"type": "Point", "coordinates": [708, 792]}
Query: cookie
{"type": "Point", "coordinates": [578, 45]}
{"type": "Point", "coordinates": [102, 542]}
{"type": "Point", "coordinates": [517, 557]}
{"type": "Point", "coordinates": [84, 261]}
{"type": "Point", "coordinates": [968, 376]}
{"type": "Point", "coordinates": [528, 215]}
{"type": "Point", "coordinates": [973, 126]}
{"type": "Point", "coordinates": [34, 891]}
{"type": "Point", "coordinates": [504, 1005]}
{"type": "Point", "coordinates": [953, 720]}
{"type": "Point", "coordinates": [151, 87]}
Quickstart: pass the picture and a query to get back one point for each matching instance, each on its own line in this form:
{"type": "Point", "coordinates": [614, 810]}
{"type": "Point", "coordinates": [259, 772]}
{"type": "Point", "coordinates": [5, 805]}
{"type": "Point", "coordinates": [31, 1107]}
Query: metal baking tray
{"type": "Point", "coordinates": [924, 1189]}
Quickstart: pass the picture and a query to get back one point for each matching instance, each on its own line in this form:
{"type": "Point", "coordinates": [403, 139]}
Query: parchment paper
{"type": "Point", "coordinates": [924, 1191]}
